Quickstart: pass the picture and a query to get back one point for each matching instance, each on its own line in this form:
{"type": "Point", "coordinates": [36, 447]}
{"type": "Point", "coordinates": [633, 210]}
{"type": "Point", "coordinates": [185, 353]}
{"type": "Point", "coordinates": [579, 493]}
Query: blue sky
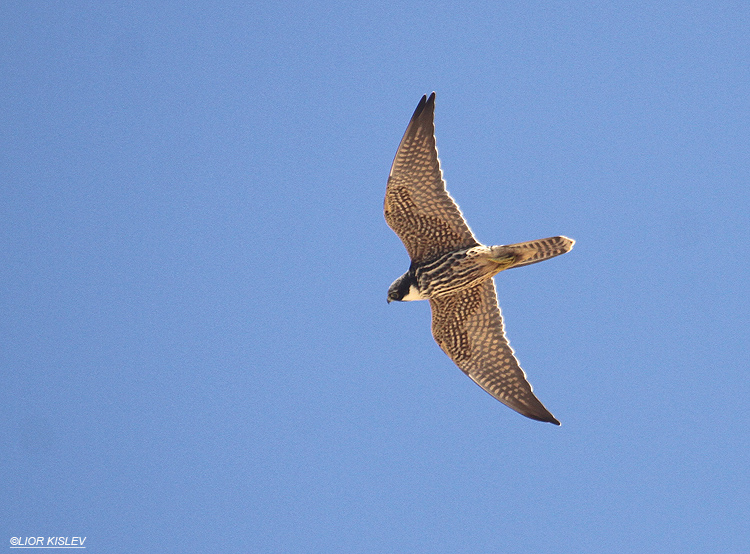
{"type": "Point", "coordinates": [197, 350]}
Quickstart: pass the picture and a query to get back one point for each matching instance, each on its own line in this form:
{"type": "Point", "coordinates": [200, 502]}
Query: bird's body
{"type": "Point", "coordinates": [452, 270]}
{"type": "Point", "coordinates": [447, 274]}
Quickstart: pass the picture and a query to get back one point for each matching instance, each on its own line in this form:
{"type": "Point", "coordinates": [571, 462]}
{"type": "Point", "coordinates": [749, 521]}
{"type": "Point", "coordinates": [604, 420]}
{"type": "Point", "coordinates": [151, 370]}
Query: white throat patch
{"type": "Point", "coordinates": [413, 294]}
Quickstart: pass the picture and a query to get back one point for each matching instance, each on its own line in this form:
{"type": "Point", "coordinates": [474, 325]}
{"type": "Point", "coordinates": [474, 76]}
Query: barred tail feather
{"type": "Point", "coordinates": [535, 251]}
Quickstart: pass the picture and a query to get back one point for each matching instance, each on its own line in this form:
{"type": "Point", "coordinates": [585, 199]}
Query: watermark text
{"type": "Point", "coordinates": [47, 542]}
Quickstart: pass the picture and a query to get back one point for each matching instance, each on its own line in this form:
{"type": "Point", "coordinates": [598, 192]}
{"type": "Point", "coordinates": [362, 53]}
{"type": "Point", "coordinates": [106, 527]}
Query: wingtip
{"type": "Point", "coordinates": [546, 418]}
{"type": "Point", "coordinates": [534, 409]}
{"type": "Point", "coordinates": [425, 102]}
{"type": "Point", "coordinates": [430, 102]}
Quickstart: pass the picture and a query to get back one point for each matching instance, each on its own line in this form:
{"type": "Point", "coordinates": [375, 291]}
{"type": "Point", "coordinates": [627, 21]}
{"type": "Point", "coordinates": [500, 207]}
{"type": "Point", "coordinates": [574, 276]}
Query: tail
{"type": "Point", "coordinates": [536, 251]}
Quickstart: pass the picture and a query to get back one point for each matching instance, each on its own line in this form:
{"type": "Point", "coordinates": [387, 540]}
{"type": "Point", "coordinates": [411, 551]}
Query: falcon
{"type": "Point", "coordinates": [454, 271]}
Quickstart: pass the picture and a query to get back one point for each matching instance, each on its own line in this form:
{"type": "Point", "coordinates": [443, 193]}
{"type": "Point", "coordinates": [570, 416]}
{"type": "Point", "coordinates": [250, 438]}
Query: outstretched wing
{"type": "Point", "coordinates": [469, 328]}
{"type": "Point", "coordinates": [417, 206]}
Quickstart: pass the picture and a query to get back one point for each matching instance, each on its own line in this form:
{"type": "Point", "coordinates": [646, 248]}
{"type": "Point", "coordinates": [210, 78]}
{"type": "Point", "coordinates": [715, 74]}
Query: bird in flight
{"type": "Point", "coordinates": [452, 270]}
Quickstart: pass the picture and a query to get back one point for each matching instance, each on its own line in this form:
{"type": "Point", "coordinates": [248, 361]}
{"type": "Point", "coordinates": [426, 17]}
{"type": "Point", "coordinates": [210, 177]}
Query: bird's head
{"type": "Point", "coordinates": [394, 291]}
{"type": "Point", "coordinates": [404, 288]}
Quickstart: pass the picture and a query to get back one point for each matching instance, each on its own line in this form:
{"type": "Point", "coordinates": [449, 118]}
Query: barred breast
{"type": "Point", "coordinates": [455, 271]}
